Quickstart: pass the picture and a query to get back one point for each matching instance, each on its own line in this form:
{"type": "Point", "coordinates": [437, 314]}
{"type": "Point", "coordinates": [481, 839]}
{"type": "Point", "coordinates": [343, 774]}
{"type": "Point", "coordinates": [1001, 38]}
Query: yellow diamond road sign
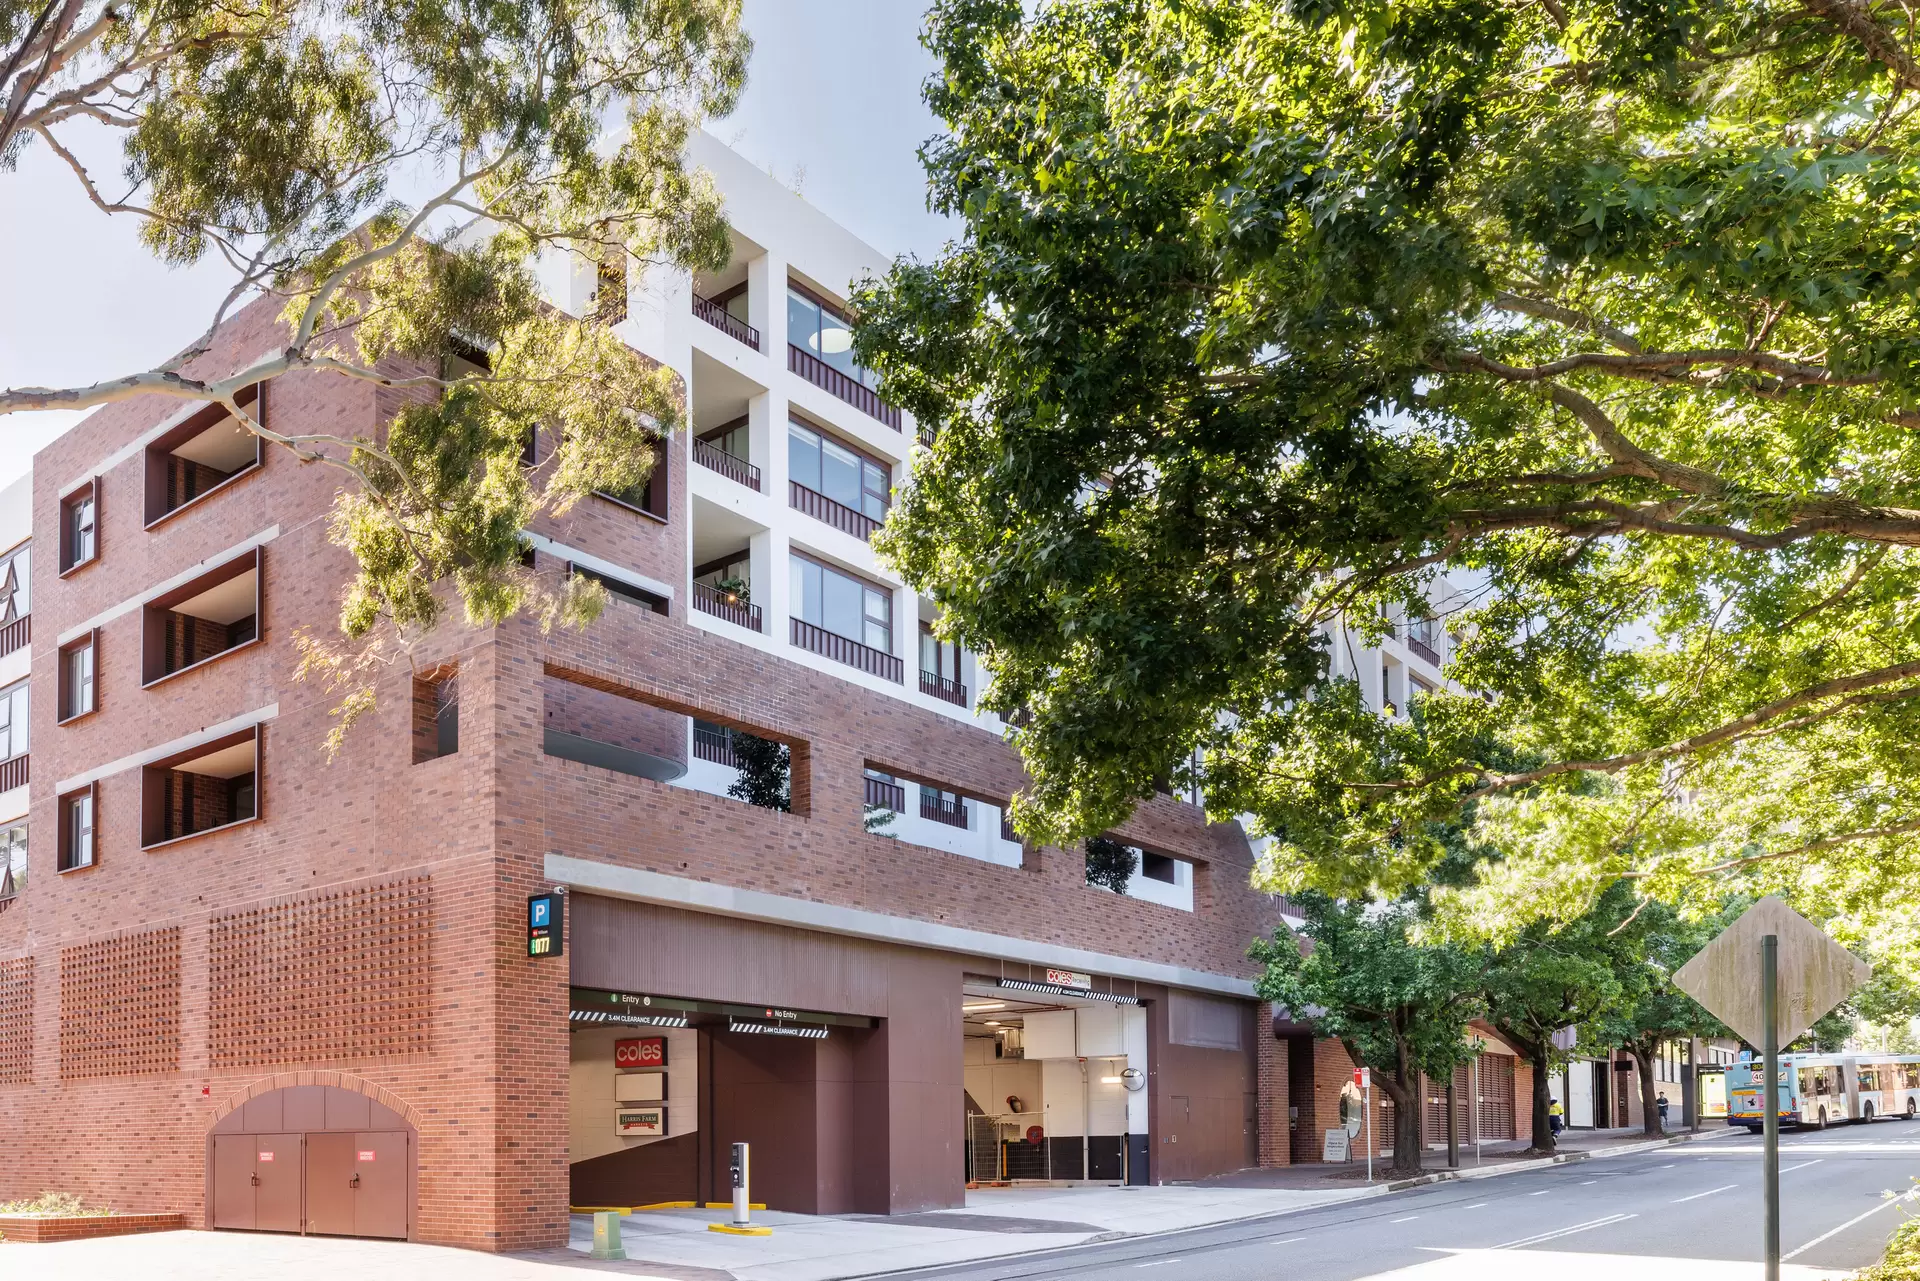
{"type": "Point", "coordinates": [1814, 973]}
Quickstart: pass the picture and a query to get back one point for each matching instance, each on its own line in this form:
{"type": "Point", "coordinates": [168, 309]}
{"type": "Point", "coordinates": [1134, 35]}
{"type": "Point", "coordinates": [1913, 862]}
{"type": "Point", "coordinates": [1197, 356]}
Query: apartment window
{"type": "Point", "coordinates": [203, 454]}
{"type": "Point", "coordinates": [15, 581]}
{"type": "Point", "coordinates": [13, 860]}
{"type": "Point", "coordinates": [623, 590]}
{"type": "Point", "coordinates": [80, 527]}
{"type": "Point", "coordinates": [201, 790]}
{"type": "Point", "coordinates": [1426, 630]}
{"type": "Point", "coordinates": [844, 474]}
{"type": "Point", "coordinates": [821, 329]}
{"type": "Point", "coordinates": [202, 620]}
{"type": "Point", "coordinates": [840, 603]}
{"type": "Point", "coordinates": [13, 720]}
{"type": "Point", "coordinates": [436, 714]}
{"type": "Point", "coordinates": [1158, 867]}
{"type": "Point", "coordinates": [943, 807]}
{"type": "Point", "coordinates": [78, 663]}
{"type": "Point", "coordinates": [649, 498]}
{"type": "Point", "coordinates": [79, 817]}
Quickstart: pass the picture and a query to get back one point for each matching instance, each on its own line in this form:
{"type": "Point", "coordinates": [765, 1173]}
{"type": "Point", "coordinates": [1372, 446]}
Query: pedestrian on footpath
{"type": "Point", "coordinates": [1556, 1116]}
{"type": "Point", "coordinates": [1661, 1103]}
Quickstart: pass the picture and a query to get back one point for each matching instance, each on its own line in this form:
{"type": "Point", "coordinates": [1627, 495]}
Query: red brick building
{"type": "Point", "coordinates": [268, 991]}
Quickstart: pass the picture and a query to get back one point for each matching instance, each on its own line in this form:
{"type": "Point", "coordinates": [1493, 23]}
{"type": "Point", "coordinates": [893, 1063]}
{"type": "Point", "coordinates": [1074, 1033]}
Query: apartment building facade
{"type": "Point", "coordinates": [281, 992]}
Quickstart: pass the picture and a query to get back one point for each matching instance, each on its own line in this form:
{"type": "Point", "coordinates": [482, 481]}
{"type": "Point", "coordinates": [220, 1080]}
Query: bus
{"type": "Point", "coordinates": [1822, 1089]}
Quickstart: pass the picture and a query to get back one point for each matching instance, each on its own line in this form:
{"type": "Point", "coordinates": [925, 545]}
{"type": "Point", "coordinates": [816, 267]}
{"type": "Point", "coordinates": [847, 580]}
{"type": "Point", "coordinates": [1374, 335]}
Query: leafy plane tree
{"type": "Point", "coordinates": [1399, 1007]}
{"type": "Point", "coordinates": [272, 135]}
{"type": "Point", "coordinates": [1263, 314]}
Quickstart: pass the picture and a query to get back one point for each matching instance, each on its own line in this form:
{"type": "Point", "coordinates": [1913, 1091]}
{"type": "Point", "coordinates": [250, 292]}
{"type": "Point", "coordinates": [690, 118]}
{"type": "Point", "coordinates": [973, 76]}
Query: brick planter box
{"type": "Point", "coordinates": [26, 1227]}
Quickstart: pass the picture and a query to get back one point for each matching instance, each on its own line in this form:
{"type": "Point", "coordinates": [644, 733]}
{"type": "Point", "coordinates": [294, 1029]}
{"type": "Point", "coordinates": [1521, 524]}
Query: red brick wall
{"type": "Point", "coordinates": [1275, 1138]}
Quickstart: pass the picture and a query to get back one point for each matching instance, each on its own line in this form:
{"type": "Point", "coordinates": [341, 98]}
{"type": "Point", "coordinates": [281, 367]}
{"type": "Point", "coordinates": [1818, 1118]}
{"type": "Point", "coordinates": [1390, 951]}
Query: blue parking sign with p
{"type": "Point", "coordinates": [546, 924]}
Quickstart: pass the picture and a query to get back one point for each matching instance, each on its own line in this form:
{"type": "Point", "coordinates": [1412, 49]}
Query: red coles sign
{"type": "Point", "coordinates": [642, 1052]}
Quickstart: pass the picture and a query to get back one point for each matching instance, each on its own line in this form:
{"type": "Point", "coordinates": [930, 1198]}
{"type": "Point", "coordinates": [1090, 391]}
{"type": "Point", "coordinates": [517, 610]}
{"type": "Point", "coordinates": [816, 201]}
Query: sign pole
{"type": "Point", "coordinates": [1770, 1098]}
{"type": "Point", "coordinates": [1366, 1102]}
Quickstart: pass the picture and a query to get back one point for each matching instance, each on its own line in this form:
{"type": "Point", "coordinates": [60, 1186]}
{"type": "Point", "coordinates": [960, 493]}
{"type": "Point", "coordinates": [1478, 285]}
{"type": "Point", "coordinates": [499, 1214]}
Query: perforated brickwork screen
{"type": "Point", "coordinates": [339, 975]}
{"type": "Point", "coordinates": [16, 1020]}
{"type": "Point", "coordinates": [120, 1005]}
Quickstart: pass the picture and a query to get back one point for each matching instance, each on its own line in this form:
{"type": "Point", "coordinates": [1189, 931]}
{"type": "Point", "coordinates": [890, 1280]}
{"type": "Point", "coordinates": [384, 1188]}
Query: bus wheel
{"type": "Point", "coordinates": [1910, 1109]}
{"type": "Point", "coordinates": [1823, 1119]}
{"type": "Point", "coordinates": [1867, 1114]}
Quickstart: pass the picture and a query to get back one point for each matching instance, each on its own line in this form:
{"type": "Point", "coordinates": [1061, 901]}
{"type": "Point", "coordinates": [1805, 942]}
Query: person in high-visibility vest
{"type": "Point", "coordinates": [1556, 1116]}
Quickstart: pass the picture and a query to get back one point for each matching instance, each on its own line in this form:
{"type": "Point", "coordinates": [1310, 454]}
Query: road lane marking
{"type": "Point", "coordinates": [1156, 1263]}
{"type": "Point", "coordinates": [1565, 1232]}
{"type": "Point", "coordinates": [1709, 1192]}
{"type": "Point", "coordinates": [1804, 1164]}
{"type": "Point", "coordinates": [1541, 1192]}
{"type": "Point", "coordinates": [1409, 1219]}
{"type": "Point", "coordinates": [1478, 1205]}
{"type": "Point", "coordinates": [1892, 1200]}
{"type": "Point", "coordinates": [1585, 1182]}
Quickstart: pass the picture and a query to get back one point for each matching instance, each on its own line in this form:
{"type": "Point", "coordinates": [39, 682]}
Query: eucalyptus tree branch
{"type": "Point", "coordinates": [1857, 21]}
{"type": "Point", "coordinates": [1814, 847]}
{"type": "Point", "coordinates": [1541, 309]}
{"type": "Point", "coordinates": [1658, 366]}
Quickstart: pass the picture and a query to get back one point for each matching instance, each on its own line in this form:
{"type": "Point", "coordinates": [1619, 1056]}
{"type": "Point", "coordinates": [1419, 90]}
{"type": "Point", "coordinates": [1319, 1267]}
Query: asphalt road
{"type": "Point", "coordinates": [1684, 1203]}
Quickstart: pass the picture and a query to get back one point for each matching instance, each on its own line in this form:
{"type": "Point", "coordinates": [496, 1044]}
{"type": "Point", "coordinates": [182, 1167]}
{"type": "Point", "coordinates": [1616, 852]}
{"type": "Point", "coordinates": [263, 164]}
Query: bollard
{"type": "Point", "coordinates": [606, 1236]}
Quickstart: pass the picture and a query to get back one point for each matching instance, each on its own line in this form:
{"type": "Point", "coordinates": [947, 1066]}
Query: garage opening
{"type": "Point", "coordinates": [313, 1159]}
{"type": "Point", "coordinates": [1055, 1084]}
{"type": "Point", "coordinates": [661, 1088]}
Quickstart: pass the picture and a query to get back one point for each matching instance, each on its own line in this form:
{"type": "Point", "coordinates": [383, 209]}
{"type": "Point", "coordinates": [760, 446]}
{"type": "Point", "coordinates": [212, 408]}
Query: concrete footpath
{"type": "Point", "coordinates": [675, 1245]}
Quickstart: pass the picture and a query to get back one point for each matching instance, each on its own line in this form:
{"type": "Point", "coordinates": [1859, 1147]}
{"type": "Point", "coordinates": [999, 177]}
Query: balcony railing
{"type": "Point", "coordinates": [1424, 650]}
{"type": "Point", "coordinates": [1006, 829]}
{"type": "Point", "coordinates": [714, 743]}
{"type": "Point", "coordinates": [14, 635]}
{"type": "Point", "coordinates": [716, 314]}
{"type": "Point", "coordinates": [13, 772]}
{"type": "Point", "coordinates": [940, 687]}
{"type": "Point", "coordinates": [951, 812]}
{"type": "Point", "coordinates": [886, 796]}
{"type": "Point", "coordinates": [725, 605]}
{"type": "Point", "coordinates": [740, 473]}
{"type": "Point", "coordinates": [835, 513]}
{"type": "Point", "coordinates": [841, 650]}
{"type": "Point", "coordinates": [834, 383]}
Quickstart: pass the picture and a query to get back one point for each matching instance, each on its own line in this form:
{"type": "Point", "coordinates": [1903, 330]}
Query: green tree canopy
{"type": "Point", "coordinates": [1262, 314]}
{"type": "Point", "coordinates": [275, 137]}
{"type": "Point", "coordinates": [1651, 1011]}
{"type": "Point", "coordinates": [1400, 1007]}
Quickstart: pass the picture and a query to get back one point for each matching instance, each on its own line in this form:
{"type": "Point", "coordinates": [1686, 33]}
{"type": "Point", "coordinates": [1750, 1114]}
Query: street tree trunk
{"type": "Point", "coordinates": [1543, 1137]}
{"type": "Point", "coordinates": [1649, 1108]}
{"type": "Point", "coordinates": [1406, 1122]}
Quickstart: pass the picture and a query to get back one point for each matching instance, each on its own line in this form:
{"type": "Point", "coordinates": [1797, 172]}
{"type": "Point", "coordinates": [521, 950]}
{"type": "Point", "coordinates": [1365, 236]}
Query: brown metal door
{"type": "Point", "coordinates": [276, 1194]}
{"type": "Point", "coordinates": [233, 1181]}
{"type": "Point", "coordinates": [330, 1194]}
{"type": "Point", "coordinates": [380, 1191]}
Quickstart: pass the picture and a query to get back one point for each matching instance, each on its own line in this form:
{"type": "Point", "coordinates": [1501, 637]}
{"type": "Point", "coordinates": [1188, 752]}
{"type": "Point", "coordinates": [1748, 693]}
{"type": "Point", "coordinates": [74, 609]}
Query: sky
{"type": "Point", "coordinates": [832, 108]}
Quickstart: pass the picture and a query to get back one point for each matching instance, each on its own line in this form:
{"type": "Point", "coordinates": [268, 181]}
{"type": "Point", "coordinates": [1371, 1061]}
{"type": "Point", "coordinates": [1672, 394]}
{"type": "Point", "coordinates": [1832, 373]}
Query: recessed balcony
{"type": "Point", "coordinates": [943, 688]}
{"type": "Point", "coordinates": [727, 606]}
{"type": "Point", "coordinates": [720, 314]}
{"type": "Point", "coordinates": [738, 470]}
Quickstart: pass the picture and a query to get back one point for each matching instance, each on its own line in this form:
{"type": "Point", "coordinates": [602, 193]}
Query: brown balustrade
{"type": "Point", "coordinates": [741, 473]}
{"type": "Point", "coordinates": [714, 743]}
{"type": "Point", "coordinates": [14, 635]}
{"type": "Point", "coordinates": [1424, 650]}
{"type": "Point", "coordinates": [940, 687]}
{"type": "Point", "coordinates": [841, 650]}
{"type": "Point", "coordinates": [953, 813]}
{"type": "Point", "coordinates": [886, 796]}
{"type": "Point", "coordinates": [13, 772]}
{"type": "Point", "coordinates": [1006, 829]}
{"type": "Point", "coordinates": [838, 514]}
{"type": "Point", "coordinates": [717, 315]}
{"type": "Point", "coordinates": [726, 605]}
{"type": "Point", "coordinates": [830, 380]}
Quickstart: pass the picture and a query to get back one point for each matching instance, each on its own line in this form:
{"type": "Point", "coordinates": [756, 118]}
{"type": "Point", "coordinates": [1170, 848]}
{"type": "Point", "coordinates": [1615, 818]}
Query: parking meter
{"type": "Point", "coordinates": [738, 1169]}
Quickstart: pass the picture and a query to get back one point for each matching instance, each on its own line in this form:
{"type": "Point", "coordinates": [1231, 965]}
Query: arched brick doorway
{"type": "Point", "coordinates": [319, 1159]}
